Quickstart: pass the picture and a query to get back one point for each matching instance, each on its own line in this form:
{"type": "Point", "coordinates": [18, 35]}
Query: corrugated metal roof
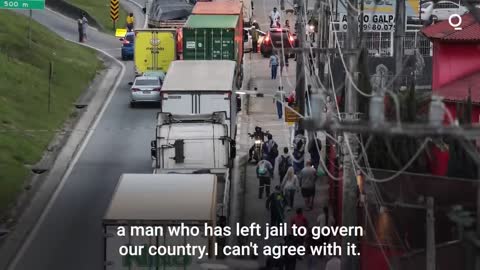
{"type": "Point", "coordinates": [200, 75]}
{"type": "Point", "coordinates": [459, 89]}
{"type": "Point", "coordinates": [212, 21]}
{"type": "Point", "coordinates": [218, 8]}
{"type": "Point", "coordinates": [445, 32]}
{"type": "Point", "coordinates": [163, 197]}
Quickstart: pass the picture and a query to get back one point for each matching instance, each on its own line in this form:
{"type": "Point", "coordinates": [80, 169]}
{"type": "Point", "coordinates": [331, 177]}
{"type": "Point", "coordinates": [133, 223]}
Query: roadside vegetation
{"type": "Point", "coordinates": [100, 10]}
{"type": "Point", "coordinates": [26, 126]}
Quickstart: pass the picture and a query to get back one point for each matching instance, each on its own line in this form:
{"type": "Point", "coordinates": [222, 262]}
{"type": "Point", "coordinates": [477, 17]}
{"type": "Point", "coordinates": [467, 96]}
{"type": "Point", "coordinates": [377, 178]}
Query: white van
{"type": "Point", "coordinates": [201, 87]}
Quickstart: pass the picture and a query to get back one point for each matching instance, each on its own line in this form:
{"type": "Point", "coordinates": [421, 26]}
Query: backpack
{"type": "Point", "coordinates": [283, 166]}
{"type": "Point", "coordinates": [262, 169]}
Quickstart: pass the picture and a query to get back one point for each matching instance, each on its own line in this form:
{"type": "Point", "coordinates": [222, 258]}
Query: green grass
{"type": "Point", "coordinates": [24, 95]}
{"type": "Point", "coordinates": [100, 10]}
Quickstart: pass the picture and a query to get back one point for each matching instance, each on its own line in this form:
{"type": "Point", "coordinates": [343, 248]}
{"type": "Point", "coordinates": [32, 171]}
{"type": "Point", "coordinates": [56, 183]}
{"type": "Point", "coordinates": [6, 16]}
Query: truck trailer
{"type": "Point", "coordinates": [155, 49]}
{"type": "Point", "coordinates": [201, 87]}
{"type": "Point", "coordinates": [145, 201]}
{"type": "Point", "coordinates": [192, 143]}
{"type": "Point", "coordinates": [215, 37]}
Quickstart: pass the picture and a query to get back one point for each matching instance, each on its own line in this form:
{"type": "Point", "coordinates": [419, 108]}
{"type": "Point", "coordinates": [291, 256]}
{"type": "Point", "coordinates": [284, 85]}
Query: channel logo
{"type": "Point", "coordinates": [455, 21]}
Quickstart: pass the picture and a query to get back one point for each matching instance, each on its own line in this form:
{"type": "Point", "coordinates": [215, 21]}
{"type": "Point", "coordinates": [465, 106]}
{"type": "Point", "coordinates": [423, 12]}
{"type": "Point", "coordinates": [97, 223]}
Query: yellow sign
{"type": "Point", "coordinates": [290, 115]}
{"type": "Point", "coordinates": [114, 9]}
{"type": "Point", "coordinates": [120, 32]}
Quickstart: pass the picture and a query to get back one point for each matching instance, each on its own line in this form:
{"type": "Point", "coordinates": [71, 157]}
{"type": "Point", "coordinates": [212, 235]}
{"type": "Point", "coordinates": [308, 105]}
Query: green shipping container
{"type": "Point", "coordinates": [211, 37]}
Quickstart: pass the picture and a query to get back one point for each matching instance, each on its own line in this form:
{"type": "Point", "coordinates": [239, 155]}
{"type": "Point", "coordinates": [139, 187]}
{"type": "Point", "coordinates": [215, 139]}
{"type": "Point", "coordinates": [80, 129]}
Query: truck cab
{"type": "Point", "coordinates": [192, 144]}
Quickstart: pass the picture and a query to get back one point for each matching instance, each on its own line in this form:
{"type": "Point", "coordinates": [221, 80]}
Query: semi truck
{"type": "Point", "coordinates": [155, 49]}
{"type": "Point", "coordinates": [215, 37]}
{"type": "Point", "coordinates": [169, 14]}
{"type": "Point", "coordinates": [192, 144]}
{"type": "Point", "coordinates": [201, 87]}
{"type": "Point", "coordinates": [144, 201]}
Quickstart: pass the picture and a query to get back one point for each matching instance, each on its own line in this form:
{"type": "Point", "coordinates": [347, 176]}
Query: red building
{"type": "Point", "coordinates": [456, 63]}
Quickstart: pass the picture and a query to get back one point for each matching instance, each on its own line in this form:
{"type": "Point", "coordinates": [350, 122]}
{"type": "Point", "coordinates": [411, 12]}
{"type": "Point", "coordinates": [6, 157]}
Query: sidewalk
{"type": "Point", "coordinates": [262, 112]}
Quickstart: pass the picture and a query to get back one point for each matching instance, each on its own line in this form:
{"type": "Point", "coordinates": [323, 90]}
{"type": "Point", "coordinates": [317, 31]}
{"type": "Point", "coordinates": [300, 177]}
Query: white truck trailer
{"type": "Point", "coordinates": [201, 87]}
{"type": "Point", "coordinates": [192, 144]}
{"type": "Point", "coordinates": [159, 200]}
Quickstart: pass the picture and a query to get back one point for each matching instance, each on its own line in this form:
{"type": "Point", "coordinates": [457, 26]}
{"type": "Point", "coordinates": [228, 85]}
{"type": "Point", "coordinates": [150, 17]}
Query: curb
{"type": "Point", "coordinates": [31, 205]}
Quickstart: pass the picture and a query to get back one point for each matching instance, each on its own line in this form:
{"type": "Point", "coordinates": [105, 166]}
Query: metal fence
{"type": "Point", "coordinates": [381, 43]}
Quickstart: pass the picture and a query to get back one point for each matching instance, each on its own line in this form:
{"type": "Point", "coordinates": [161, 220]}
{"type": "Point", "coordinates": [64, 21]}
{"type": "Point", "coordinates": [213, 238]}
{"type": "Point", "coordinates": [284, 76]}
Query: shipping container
{"type": "Point", "coordinates": [154, 202]}
{"type": "Point", "coordinates": [214, 37]}
{"type": "Point", "coordinates": [155, 49]}
{"type": "Point", "coordinates": [220, 8]}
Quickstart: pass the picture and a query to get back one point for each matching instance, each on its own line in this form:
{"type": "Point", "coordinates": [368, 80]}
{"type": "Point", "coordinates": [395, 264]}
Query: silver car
{"type": "Point", "coordinates": [145, 89]}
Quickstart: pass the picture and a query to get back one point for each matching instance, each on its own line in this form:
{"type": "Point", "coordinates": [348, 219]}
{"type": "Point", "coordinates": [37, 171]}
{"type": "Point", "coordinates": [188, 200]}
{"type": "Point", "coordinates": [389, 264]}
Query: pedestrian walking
{"type": "Point", "coordinates": [299, 220]}
{"type": "Point", "coordinates": [279, 98]}
{"type": "Point", "coordinates": [290, 261]}
{"type": "Point", "coordinates": [290, 186]}
{"type": "Point", "coordinates": [287, 25]}
{"type": "Point", "coordinates": [299, 151]}
{"type": "Point", "coordinates": [307, 179]}
{"type": "Point", "coordinates": [270, 150]}
{"type": "Point", "coordinates": [282, 64]}
{"type": "Point", "coordinates": [80, 30]}
{"type": "Point", "coordinates": [84, 26]}
{"type": "Point", "coordinates": [264, 175]}
{"type": "Point", "coordinates": [130, 22]}
{"type": "Point", "coordinates": [276, 204]}
{"type": "Point", "coordinates": [255, 36]}
{"type": "Point", "coordinates": [285, 161]}
{"type": "Point", "coordinates": [273, 63]}
{"type": "Point", "coordinates": [314, 148]}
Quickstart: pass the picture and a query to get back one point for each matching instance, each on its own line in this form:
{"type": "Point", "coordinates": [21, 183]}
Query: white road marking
{"type": "Point", "coordinates": [34, 232]}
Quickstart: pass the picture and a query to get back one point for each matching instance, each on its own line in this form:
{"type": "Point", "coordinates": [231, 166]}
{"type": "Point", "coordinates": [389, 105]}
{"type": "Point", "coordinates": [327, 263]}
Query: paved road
{"type": "Point", "coordinates": [70, 237]}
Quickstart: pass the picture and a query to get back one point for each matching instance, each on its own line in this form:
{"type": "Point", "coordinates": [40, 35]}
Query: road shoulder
{"type": "Point", "coordinates": [57, 159]}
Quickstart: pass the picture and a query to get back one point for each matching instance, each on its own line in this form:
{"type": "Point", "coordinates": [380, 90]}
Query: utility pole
{"type": "Point", "coordinates": [349, 205]}
{"type": "Point", "coordinates": [431, 247]}
{"type": "Point", "coordinates": [399, 37]}
{"type": "Point", "coordinates": [322, 40]}
{"type": "Point", "coordinates": [300, 69]}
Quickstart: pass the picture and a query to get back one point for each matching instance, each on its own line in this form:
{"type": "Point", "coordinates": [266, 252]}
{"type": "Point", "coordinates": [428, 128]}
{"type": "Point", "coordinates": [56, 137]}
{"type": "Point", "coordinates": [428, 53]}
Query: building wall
{"type": "Point", "coordinates": [453, 61]}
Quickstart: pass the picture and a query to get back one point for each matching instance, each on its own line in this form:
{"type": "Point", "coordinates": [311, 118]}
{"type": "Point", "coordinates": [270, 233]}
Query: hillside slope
{"type": "Point", "coordinates": [26, 126]}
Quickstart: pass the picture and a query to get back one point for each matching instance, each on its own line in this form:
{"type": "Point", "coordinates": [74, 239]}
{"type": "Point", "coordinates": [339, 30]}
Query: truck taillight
{"type": "Point", "coordinates": [135, 89]}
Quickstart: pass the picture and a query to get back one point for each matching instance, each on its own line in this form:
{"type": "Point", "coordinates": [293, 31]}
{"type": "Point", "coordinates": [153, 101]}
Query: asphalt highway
{"type": "Point", "coordinates": [70, 236]}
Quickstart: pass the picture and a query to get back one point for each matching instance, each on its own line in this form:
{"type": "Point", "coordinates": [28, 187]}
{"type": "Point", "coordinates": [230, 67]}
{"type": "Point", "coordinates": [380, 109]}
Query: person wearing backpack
{"type": "Point", "coordinates": [276, 204]}
{"type": "Point", "coordinates": [264, 174]}
{"type": "Point", "coordinates": [270, 150]}
{"type": "Point", "coordinates": [284, 162]}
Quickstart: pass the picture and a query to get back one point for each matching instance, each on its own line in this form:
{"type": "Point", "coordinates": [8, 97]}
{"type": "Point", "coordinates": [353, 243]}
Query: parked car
{"type": "Point", "coordinates": [145, 89]}
{"type": "Point", "coordinates": [273, 39]}
{"type": "Point", "coordinates": [128, 48]}
{"type": "Point", "coordinates": [440, 11]}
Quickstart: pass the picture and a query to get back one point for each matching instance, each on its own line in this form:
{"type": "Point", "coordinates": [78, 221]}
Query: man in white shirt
{"type": "Point", "coordinates": [274, 18]}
